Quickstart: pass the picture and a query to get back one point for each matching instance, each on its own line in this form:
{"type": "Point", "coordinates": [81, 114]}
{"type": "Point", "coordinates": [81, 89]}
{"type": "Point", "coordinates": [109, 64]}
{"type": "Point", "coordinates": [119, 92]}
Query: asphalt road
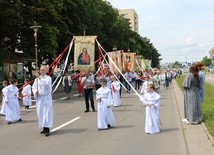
{"type": "Point", "coordinates": [75, 132]}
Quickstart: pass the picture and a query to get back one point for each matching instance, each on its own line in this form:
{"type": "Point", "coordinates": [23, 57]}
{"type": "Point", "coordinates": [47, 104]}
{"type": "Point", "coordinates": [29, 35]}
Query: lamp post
{"type": "Point", "coordinates": [35, 28]}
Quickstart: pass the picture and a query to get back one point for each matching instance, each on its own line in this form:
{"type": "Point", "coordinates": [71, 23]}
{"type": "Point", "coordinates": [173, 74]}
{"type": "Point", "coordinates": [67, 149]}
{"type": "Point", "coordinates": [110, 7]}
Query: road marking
{"type": "Point", "coordinates": [61, 126]}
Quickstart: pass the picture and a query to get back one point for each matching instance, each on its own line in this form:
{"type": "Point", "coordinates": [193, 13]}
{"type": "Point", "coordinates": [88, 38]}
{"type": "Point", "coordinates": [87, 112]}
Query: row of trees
{"type": "Point", "coordinates": [63, 19]}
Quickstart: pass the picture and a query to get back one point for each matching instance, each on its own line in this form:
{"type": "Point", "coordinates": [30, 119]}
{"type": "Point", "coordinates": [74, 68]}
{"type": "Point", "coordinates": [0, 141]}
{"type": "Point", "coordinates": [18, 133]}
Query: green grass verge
{"type": "Point", "coordinates": [208, 106]}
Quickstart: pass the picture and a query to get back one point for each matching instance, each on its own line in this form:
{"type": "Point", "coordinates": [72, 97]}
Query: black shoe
{"type": "Point", "coordinates": [9, 122]}
{"type": "Point", "coordinates": [86, 110]}
{"type": "Point", "coordinates": [42, 132]}
{"type": "Point", "coordinates": [109, 126]}
{"type": "Point", "coordinates": [47, 134]}
{"type": "Point", "coordinates": [19, 120]}
{"type": "Point", "coordinates": [94, 110]}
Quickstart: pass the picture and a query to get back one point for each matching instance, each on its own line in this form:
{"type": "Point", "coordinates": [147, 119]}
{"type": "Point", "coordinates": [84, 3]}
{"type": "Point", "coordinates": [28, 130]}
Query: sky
{"type": "Point", "coordinates": [181, 30]}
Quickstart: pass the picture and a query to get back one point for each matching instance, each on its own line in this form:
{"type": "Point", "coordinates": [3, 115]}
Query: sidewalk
{"type": "Point", "coordinates": [197, 138]}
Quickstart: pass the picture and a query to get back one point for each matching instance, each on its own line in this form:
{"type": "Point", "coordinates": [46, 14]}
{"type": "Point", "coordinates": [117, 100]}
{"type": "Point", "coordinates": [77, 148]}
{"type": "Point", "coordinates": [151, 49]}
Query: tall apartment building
{"type": "Point", "coordinates": [132, 16]}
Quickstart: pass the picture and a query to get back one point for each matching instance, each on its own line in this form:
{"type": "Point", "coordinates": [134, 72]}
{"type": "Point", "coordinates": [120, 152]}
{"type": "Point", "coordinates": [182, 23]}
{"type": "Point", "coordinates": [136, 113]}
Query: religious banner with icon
{"type": "Point", "coordinates": [147, 64]}
{"type": "Point", "coordinates": [138, 63]}
{"type": "Point", "coordinates": [116, 57]}
{"type": "Point", "coordinates": [84, 49]}
{"type": "Point", "coordinates": [128, 61]}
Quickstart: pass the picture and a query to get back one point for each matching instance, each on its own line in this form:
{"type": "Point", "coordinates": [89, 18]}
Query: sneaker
{"type": "Point", "coordinates": [185, 120]}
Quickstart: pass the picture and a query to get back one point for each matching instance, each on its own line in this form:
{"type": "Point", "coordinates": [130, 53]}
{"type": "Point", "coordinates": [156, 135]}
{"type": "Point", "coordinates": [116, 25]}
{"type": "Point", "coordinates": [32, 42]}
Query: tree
{"type": "Point", "coordinates": [207, 61]}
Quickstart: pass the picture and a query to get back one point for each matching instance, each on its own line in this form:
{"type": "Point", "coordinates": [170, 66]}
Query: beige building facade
{"type": "Point", "coordinates": [132, 16]}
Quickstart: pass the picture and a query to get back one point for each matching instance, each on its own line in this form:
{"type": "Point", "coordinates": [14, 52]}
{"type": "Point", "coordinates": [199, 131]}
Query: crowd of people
{"type": "Point", "coordinates": [108, 93]}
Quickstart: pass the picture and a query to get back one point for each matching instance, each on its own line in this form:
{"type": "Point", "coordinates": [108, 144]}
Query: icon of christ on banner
{"type": "Point", "coordinates": [84, 57]}
{"type": "Point", "coordinates": [84, 53]}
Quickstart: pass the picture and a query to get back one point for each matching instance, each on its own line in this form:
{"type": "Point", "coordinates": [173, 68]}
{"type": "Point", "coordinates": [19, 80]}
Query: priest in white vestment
{"type": "Point", "coordinates": [42, 89]}
{"type": "Point", "coordinates": [115, 87]}
{"type": "Point", "coordinates": [105, 117]}
{"type": "Point", "coordinates": [152, 102]}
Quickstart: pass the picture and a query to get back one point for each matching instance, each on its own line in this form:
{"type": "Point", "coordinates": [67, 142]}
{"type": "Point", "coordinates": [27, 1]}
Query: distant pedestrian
{"type": "Point", "coordinates": [79, 85]}
{"type": "Point", "coordinates": [152, 102]}
{"type": "Point", "coordinates": [4, 84]}
{"type": "Point", "coordinates": [202, 76]}
{"type": "Point", "coordinates": [42, 89]}
{"type": "Point", "coordinates": [105, 117]}
{"type": "Point", "coordinates": [26, 92]}
{"type": "Point", "coordinates": [67, 83]}
{"type": "Point", "coordinates": [89, 83]}
{"type": "Point", "coordinates": [192, 106]}
{"type": "Point", "coordinates": [12, 106]}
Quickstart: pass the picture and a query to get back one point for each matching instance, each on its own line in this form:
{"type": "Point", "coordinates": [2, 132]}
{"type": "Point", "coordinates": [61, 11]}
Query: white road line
{"type": "Point", "coordinates": [61, 126]}
{"type": "Point", "coordinates": [76, 95]}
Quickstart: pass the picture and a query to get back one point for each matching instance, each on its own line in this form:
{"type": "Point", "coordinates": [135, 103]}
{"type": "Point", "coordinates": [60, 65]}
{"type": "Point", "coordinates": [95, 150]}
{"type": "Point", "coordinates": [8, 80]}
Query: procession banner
{"type": "Point", "coordinates": [84, 52]}
{"type": "Point", "coordinates": [116, 56]}
{"type": "Point", "coordinates": [128, 61]}
{"type": "Point", "coordinates": [138, 62]}
{"type": "Point", "coordinates": [148, 64]}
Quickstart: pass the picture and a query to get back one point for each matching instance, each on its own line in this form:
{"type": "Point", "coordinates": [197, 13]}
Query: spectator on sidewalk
{"type": "Point", "coordinates": [192, 106]}
{"type": "Point", "coordinates": [202, 76]}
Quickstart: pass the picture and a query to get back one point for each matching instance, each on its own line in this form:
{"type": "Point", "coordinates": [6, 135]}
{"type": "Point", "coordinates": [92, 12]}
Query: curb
{"type": "Point", "coordinates": [210, 138]}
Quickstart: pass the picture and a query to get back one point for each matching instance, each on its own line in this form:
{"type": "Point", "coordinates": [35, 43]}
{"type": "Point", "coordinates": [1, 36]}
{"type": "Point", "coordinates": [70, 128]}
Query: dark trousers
{"type": "Point", "coordinates": [137, 84]}
{"type": "Point", "coordinates": [89, 96]}
{"type": "Point", "coordinates": [128, 87]}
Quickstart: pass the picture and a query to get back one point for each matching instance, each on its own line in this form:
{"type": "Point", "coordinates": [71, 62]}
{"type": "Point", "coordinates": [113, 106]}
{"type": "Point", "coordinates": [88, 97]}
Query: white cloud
{"type": "Point", "coordinates": [177, 28]}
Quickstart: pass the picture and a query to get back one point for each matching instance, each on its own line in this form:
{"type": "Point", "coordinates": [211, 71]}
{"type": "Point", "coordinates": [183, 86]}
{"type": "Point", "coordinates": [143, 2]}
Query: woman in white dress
{"type": "Point", "coordinates": [152, 102]}
{"type": "Point", "coordinates": [105, 117]}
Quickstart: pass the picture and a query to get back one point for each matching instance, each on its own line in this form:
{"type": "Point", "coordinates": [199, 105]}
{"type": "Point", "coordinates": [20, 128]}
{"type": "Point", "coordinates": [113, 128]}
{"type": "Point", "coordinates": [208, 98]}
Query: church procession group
{"type": "Point", "coordinates": [111, 77]}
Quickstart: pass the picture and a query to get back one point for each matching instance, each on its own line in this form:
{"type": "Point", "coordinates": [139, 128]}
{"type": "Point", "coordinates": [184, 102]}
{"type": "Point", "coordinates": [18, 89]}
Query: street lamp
{"type": "Point", "coordinates": [35, 28]}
